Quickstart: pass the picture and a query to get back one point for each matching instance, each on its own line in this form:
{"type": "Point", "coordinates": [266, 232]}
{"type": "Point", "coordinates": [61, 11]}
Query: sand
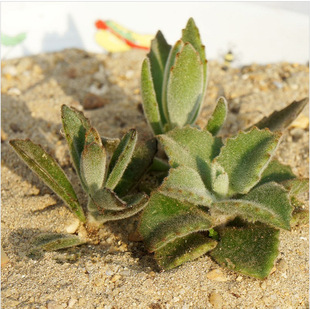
{"type": "Point", "coordinates": [110, 271]}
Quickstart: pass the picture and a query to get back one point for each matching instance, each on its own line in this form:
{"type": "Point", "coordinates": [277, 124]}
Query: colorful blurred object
{"type": "Point", "coordinates": [7, 40]}
{"type": "Point", "coordinates": [115, 38]}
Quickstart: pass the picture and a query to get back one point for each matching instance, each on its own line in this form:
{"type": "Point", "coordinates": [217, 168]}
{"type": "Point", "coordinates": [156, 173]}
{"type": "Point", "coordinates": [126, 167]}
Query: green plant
{"type": "Point", "coordinates": [227, 198]}
{"type": "Point", "coordinates": [173, 80]}
{"type": "Point", "coordinates": [107, 184]}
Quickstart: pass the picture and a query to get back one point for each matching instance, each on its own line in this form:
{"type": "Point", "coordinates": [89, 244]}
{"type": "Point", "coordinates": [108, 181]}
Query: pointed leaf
{"type": "Point", "coordinates": [218, 117]}
{"type": "Point", "coordinates": [135, 205]}
{"type": "Point", "coordinates": [268, 203]}
{"type": "Point", "coordinates": [92, 136]}
{"type": "Point", "coordinates": [276, 171]}
{"type": "Point", "coordinates": [165, 219]}
{"type": "Point", "coordinates": [150, 103]}
{"type": "Point", "coordinates": [120, 159]}
{"type": "Point", "coordinates": [176, 49]}
{"type": "Point", "coordinates": [92, 166]}
{"type": "Point", "coordinates": [105, 199]}
{"type": "Point", "coordinates": [50, 172]}
{"type": "Point", "coordinates": [192, 148]}
{"type": "Point", "coordinates": [53, 242]}
{"type": "Point", "coordinates": [219, 179]}
{"type": "Point", "coordinates": [191, 35]}
{"type": "Point", "coordinates": [280, 120]}
{"type": "Point", "coordinates": [185, 87]}
{"type": "Point", "coordinates": [75, 126]}
{"type": "Point", "coordinates": [251, 251]}
{"type": "Point", "coordinates": [186, 185]}
{"type": "Point", "coordinates": [142, 159]}
{"type": "Point", "coordinates": [158, 56]}
{"type": "Point", "coordinates": [183, 249]}
{"type": "Point", "coordinates": [245, 157]}
{"type": "Point", "coordinates": [296, 186]}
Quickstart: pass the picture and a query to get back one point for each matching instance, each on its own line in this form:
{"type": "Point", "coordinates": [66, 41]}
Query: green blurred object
{"type": "Point", "coordinates": [7, 40]}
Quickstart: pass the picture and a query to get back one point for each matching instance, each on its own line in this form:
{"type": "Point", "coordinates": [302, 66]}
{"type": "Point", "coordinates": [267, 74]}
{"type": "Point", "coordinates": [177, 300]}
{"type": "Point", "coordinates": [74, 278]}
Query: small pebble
{"type": "Point", "coordinates": [216, 275]}
{"type": "Point", "coordinates": [72, 302]}
{"type": "Point", "coordinates": [216, 300]}
{"type": "Point", "coordinates": [92, 101]}
{"type": "Point", "coordinates": [282, 265]}
{"type": "Point", "coordinates": [4, 137]}
{"type": "Point", "coordinates": [15, 127]}
{"type": "Point", "coordinates": [72, 228]}
{"type": "Point", "coordinates": [14, 91]}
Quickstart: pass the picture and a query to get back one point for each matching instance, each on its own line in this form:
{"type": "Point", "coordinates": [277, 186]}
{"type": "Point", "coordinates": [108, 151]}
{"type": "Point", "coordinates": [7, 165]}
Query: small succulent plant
{"type": "Point", "coordinates": [173, 80]}
{"type": "Point", "coordinates": [106, 184]}
{"type": "Point", "coordinates": [228, 198]}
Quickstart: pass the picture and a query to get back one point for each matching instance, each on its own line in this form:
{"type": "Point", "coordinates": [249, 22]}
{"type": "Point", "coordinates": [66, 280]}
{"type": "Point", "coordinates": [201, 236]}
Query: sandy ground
{"type": "Point", "coordinates": [111, 271]}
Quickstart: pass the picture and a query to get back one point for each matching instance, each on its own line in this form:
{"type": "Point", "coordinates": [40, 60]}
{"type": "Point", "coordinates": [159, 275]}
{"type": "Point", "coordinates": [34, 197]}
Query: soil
{"type": "Point", "coordinates": [110, 271]}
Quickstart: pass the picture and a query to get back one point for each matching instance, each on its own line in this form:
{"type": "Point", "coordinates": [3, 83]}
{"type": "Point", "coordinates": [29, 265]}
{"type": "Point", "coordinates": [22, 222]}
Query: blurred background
{"type": "Point", "coordinates": [260, 32]}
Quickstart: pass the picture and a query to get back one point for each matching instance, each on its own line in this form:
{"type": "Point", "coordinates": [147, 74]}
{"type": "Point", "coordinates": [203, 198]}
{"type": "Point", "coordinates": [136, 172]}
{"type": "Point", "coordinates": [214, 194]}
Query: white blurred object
{"type": "Point", "coordinates": [262, 32]}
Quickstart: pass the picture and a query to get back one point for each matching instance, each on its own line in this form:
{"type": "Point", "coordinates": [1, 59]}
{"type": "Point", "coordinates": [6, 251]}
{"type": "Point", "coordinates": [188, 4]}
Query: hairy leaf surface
{"type": "Point", "coordinates": [165, 219]}
{"type": "Point", "coordinates": [121, 158]}
{"type": "Point", "coordinates": [251, 250]}
{"type": "Point", "coordinates": [185, 184]}
{"type": "Point", "coordinates": [218, 117]}
{"type": "Point", "coordinates": [268, 203]}
{"type": "Point", "coordinates": [183, 249]}
{"type": "Point", "coordinates": [245, 157]}
{"type": "Point", "coordinates": [49, 171]}
{"type": "Point", "coordinates": [134, 205]}
{"type": "Point", "coordinates": [184, 87]}
{"type": "Point", "coordinates": [150, 102]}
{"type": "Point", "coordinates": [192, 148]}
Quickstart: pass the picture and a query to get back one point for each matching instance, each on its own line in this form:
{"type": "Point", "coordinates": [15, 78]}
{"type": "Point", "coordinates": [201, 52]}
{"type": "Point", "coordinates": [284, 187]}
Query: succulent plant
{"type": "Point", "coordinates": [228, 198]}
{"type": "Point", "coordinates": [173, 80]}
{"type": "Point", "coordinates": [107, 184]}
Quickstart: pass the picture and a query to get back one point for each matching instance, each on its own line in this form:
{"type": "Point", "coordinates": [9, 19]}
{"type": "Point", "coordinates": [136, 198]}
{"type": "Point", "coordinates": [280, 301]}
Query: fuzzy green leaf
{"type": "Point", "coordinates": [276, 171]}
{"type": "Point", "coordinates": [50, 172]}
{"type": "Point", "coordinates": [92, 136]}
{"type": "Point", "coordinates": [186, 185]}
{"type": "Point", "coordinates": [142, 159]}
{"type": "Point", "coordinates": [193, 148]}
{"type": "Point", "coordinates": [169, 63]}
{"type": "Point", "coordinates": [279, 120]}
{"type": "Point", "coordinates": [296, 186]}
{"type": "Point", "coordinates": [158, 56]}
{"type": "Point", "coordinates": [245, 157]}
{"type": "Point", "coordinates": [251, 250]}
{"type": "Point", "coordinates": [134, 205]}
{"type": "Point", "coordinates": [75, 126]}
{"type": "Point", "coordinates": [53, 242]}
{"type": "Point", "coordinates": [219, 179]}
{"type": "Point", "coordinates": [165, 219]}
{"type": "Point", "coordinates": [218, 117]}
{"type": "Point", "coordinates": [120, 159]}
{"type": "Point", "coordinates": [105, 199]}
{"type": "Point", "coordinates": [184, 87]}
{"type": "Point", "coordinates": [150, 103]}
{"type": "Point", "coordinates": [191, 35]}
{"type": "Point", "coordinates": [268, 203]}
{"type": "Point", "coordinates": [183, 249]}
{"type": "Point", "coordinates": [92, 166]}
